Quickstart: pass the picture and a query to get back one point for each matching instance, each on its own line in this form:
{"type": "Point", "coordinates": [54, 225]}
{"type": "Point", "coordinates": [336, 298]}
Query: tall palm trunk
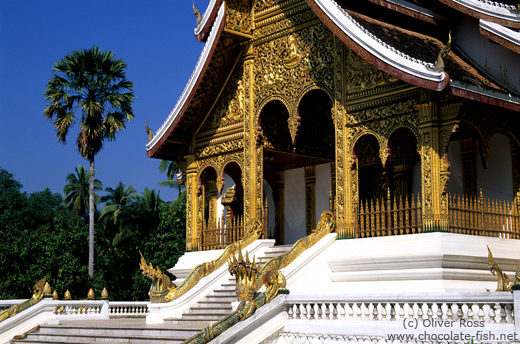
{"type": "Point", "coordinates": [91, 221]}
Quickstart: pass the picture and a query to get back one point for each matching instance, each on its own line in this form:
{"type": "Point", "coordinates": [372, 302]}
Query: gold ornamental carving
{"type": "Point", "coordinates": [362, 75]}
{"type": "Point", "coordinates": [503, 279]}
{"type": "Point", "coordinates": [239, 17]}
{"type": "Point", "coordinates": [306, 59]}
{"type": "Point", "coordinates": [39, 290]}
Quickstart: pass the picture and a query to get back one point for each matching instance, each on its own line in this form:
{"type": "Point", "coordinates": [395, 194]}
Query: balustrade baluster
{"type": "Point", "coordinates": [449, 311]}
{"type": "Point", "coordinates": [384, 313]}
{"type": "Point", "coordinates": [392, 311]}
{"type": "Point", "coordinates": [290, 312]}
{"type": "Point", "coordinates": [429, 311]}
{"type": "Point", "coordinates": [480, 312]}
{"type": "Point", "coordinates": [460, 313]}
{"type": "Point", "coordinates": [420, 313]}
{"type": "Point", "coordinates": [401, 311]}
{"type": "Point", "coordinates": [367, 311]}
{"type": "Point", "coordinates": [358, 311]}
{"type": "Point", "coordinates": [411, 312]}
{"type": "Point", "coordinates": [332, 311]}
{"type": "Point", "coordinates": [470, 314]}
{"type": "Point", "coordinates": [375, 312]}
{"type": "Point", "coordinates": [502, 313]}
{"type": "Point", "coordinates": [350, 311]}
{"type": "Point", "coordinates": [439, 311]}
{"type": "Point", "coordinates": [492, 313]}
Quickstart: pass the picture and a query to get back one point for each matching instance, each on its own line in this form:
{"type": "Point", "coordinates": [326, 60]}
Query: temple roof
{"type": "Point", "coordinates": [374, 29]}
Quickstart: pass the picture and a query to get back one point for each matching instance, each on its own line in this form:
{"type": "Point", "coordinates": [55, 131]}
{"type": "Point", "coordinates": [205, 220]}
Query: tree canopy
{"type": "Point", "coordinates": [91, 85]}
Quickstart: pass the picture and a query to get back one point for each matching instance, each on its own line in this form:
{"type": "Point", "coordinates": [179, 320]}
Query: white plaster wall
{"type": "Point", "coordinates": [323, 185]}
{"type": "Point", "coordinates": [497, 180]}
{"type": "Point", "coordinates": [228, 182]}
{"type": "Point", "coordinates": [455, 185]}
{"type": "Point", "coordinates": [268, 192]}
{"type": "Point", "coordinates": [294, 195]}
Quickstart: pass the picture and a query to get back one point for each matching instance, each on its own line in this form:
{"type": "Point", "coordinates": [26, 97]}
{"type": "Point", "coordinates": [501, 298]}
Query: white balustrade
{"type": "Point", "coordinates": [481, 307]}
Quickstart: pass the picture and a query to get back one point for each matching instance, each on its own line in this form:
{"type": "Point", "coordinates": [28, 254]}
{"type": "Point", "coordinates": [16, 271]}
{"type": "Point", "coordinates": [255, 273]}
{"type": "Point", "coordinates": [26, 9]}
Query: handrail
{"type": "Point", "coordinates": [269, 276]}
{"type": "Point", "coordinates": [161, 293]}
{"type": "Point", "coordinates": [48, 309]}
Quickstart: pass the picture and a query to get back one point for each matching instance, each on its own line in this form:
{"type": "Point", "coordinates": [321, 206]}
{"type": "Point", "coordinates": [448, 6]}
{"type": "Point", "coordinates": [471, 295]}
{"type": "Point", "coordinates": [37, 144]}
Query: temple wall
{"type": "Point", "coordinates": [455, 184]}
{"type": "Point", "coordinates": [497, 180]}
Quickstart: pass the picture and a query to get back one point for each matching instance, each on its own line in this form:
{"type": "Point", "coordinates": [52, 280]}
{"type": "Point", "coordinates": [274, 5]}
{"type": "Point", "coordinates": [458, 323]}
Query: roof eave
{"type": "Point", "coordinates": [202, 30]}
{"type": "Point", "coordinates": [502, 14]}
{"type": "Point", "coordinates": [384, 57]}
{"type": "Point", "coordinates": [161, 136]}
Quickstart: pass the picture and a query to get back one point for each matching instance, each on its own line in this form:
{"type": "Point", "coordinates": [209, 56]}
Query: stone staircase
{"type": "Point", "coordinates": [135, 330]}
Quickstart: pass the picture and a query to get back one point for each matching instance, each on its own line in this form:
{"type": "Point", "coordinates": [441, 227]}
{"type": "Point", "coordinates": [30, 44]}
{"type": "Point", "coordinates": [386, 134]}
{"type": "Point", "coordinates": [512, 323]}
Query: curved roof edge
{"type": "Point", "coordinates": [383, 56]}
{"type": "Point", "coordinates": [191, 87]}
{"type": "Point", "coordinates": [409, 9]}
{"type": "Point", "coordinates": [501, 34]}
{"type": "Point", "coordinates": [491, 11]}
{"type": "Point", "coordinates": [202, 30]}
{"type": "Point", "coordinates": [502, 100]}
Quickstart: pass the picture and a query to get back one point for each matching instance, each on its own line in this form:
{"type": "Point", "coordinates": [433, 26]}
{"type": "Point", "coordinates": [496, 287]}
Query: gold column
{"type": "Point", "coordinates": [279, 207]}
{"type": "Point", "coordinates": [433, 170]}
{"type": "Point", "coordinates": [212, 199]}
{"type": "Point", "coordinates": [343, 206]}
{"type": "Point", "coordinates": [310, 198]}
{"type": "Point", "coordinates": [253, 174]}
{"type": "Point", "coordinates": [191, 204]}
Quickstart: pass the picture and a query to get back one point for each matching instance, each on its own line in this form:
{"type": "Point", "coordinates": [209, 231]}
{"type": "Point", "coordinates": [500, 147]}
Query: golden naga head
{"type": "Point", "coordinates": [246, 273]}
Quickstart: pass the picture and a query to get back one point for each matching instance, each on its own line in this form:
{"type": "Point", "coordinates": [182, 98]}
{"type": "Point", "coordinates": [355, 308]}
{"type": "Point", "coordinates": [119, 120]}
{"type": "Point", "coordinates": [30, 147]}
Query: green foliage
{"type": "Point", "coordinates": [39, 237]}
{"type": "Point", "coordinates": [76, 191]}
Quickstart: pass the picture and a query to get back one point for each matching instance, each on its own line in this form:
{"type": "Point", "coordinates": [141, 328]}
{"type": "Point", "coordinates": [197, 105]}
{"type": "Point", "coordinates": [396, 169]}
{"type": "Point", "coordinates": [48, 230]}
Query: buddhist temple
{"type": "Point", "coordinates": [373, 144]}
{"type": "Point", "coordinates": [399, 116]}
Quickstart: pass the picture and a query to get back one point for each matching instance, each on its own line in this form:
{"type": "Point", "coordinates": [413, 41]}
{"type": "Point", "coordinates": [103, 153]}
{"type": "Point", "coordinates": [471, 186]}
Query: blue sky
{"type": "Point", "coordinates": [156, 40]}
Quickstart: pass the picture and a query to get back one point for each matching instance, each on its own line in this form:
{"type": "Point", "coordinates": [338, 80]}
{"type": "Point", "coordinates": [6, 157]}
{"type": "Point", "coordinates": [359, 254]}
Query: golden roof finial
{"type": "Point", "coordinates": [439, 64]}
{"type": "Point", "coordinates": [104, 293]}
{"type": "Point", "coordinates": [55, 295]}
{"type": "Point", "coordinates": [196, 12]}
{"type": "Point", "coordinates": [148, 131]}
{"type": "Point", "coordinates": [90, 294]}
{"type": "Point", "coordinates": [67, 295]}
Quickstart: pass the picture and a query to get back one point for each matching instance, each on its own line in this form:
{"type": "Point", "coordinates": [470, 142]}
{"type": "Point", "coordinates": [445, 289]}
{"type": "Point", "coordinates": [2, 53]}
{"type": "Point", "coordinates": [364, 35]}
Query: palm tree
{"type": "Point", "coordinates": [77, 190]}
{"type": "Point", "coordinates": [171, 169]}
{"type": "Point", "coordinates": [117, 203]}
{"type": "Point", "coordinates": [89, 85]}
{"type": "Point", "coordinates": [151, 202]}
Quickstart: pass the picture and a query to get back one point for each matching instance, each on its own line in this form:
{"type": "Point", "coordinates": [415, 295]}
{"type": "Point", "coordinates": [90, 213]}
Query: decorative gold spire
{"type": "Point", "coordinates": [104, 293]}
{"type": "Point", "coordinates": [55, 295]}
{"type": "Point", "coordinates": [196, 12]}
{"type": "Point", "coordinates": [67, 295]}
{"type": "Point", "coordinates": [47, 289]}
{"type": "Point", "coordinates": [90, 294]}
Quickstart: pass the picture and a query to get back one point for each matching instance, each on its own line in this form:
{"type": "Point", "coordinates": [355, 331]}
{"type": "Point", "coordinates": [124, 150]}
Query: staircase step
{"type": "Point", "coordinates": [115, 331]}
{"type": "Point", "coordinates": [86, 338]}
{"type": "Point", "coordinates": [210, 310]}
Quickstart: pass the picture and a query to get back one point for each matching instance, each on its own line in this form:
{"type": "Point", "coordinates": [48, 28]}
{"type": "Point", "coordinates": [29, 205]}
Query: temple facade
{"type": "Point", "coordinates": [400, 116]}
